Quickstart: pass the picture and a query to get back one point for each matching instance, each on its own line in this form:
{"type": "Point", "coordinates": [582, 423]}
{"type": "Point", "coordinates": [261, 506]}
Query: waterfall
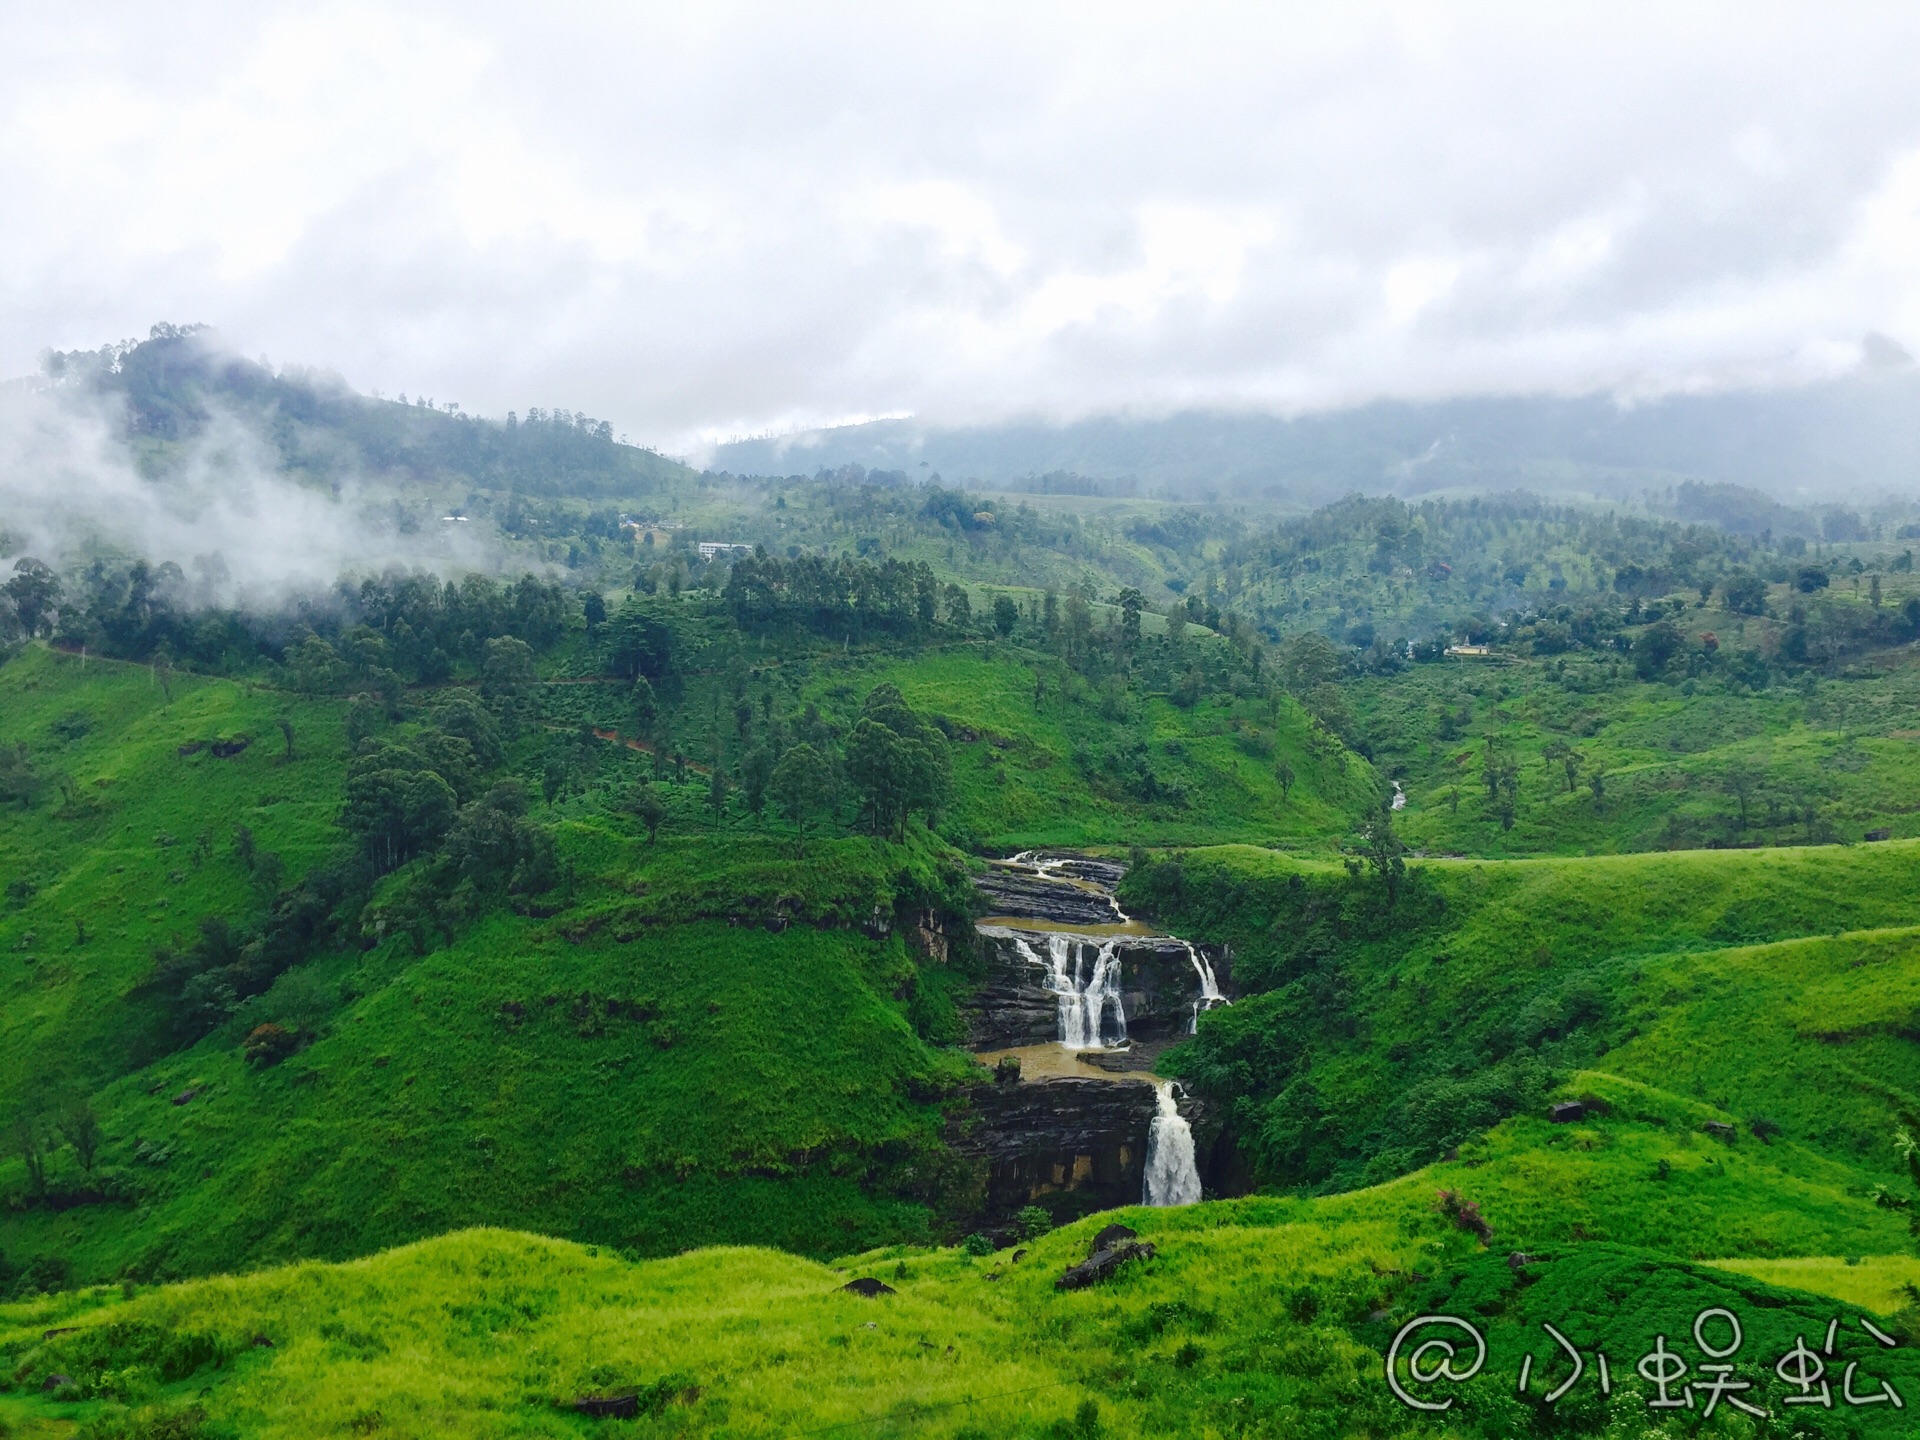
{"type": "Point", "coordinates": [1086, 991]}
{"type": "Point", "coordinates": [1210, 995]}
{"type": "Point", "coordinates": [1171, 1176]}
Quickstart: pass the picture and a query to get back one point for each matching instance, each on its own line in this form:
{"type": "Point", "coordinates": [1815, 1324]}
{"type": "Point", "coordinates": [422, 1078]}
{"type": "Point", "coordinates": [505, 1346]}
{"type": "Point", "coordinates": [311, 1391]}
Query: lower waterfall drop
{"type": "Point", "coordinates": [1171, 1176]}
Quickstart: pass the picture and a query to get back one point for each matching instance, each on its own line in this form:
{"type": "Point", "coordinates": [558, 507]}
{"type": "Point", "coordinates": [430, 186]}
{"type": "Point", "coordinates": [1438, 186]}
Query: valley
{"type": "Point", "coordinates": [450, 1003]}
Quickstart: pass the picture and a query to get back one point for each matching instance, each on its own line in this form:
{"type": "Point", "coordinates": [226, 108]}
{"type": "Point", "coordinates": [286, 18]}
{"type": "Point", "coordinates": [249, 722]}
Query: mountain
{"type": "Point", "coordinates": [1846, 440]}
{"type": "Point", "coordinates": [172, 389]}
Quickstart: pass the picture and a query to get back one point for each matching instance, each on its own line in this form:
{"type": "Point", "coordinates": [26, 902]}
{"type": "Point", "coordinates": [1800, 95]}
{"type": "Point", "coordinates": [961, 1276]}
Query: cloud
{"type": "Point", "coordinates": [718, 219]}
{"type": "Point", "coordinates": [220, 508]}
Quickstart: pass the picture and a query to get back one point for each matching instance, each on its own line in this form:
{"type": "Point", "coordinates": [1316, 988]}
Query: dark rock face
{"type": "Point", "coordinates": [1030, 896]}
{"type": "Point", "coordinates": [1041, 1136]}
{"type": "Point", "coordinates": [1013, 1006]}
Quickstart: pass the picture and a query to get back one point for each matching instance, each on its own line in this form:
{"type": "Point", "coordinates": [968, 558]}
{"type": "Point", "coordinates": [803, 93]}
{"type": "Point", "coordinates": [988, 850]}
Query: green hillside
{"type": "Point", "coordinates": [1257, 1317]}
{"type": "Point", "coordinates": [1387, 1026]}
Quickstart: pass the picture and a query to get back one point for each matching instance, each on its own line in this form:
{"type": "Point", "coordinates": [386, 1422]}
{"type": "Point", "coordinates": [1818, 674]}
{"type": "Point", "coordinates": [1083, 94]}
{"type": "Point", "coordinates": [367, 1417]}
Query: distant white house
{"type": "Point", "coordinates": [1469, 650]}
{"type": "Point", "coordinates": [720, 550]}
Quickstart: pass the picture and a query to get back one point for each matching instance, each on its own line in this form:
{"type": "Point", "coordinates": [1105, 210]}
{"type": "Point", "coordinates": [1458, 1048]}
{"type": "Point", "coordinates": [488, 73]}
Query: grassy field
{"type": "Point", "coordinates": [1067, 769]}
{"type": "Point", "coordinates": [1777, 986]}
{"type": "Point", "coordinates": [707, 1042]}
{"type": "Point", "coordinates": [139, 846]}
{"type": "Point", "coordinates": [1258, 1317]}
{"type": "Point", "coordinates": [1681, 767]}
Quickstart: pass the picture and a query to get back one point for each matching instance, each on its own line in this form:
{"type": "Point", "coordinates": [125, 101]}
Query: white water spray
{"type": "Point", "coordinates": [1172, 1178]}
{"type": "Point", "coordinates": [1092, 1015]}
{"type": "Point", "coordinates": [1210, 995]}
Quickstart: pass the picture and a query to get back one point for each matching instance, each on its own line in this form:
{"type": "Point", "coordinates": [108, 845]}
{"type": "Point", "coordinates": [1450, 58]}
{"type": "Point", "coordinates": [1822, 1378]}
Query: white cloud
{"type": "Point", "coordinates": [727, 218]}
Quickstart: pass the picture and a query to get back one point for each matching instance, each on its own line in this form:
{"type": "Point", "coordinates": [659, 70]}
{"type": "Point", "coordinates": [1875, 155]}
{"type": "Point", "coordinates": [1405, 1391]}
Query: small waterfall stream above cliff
{"type": "Point", "coordinates": [1172, 1177]}
{"type": "Point", "coordinates": [1210, 995]}
{"type": "Point", "coordinates": [1092, 1013]}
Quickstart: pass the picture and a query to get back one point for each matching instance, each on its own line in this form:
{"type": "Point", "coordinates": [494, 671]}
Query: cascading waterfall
{"type": "Point", "coordinates": [1210, 995]}
{"type": "Point", "coordinates": [1092, 1015]}
{"type": "Point", "coordinates": [1172, 1178]}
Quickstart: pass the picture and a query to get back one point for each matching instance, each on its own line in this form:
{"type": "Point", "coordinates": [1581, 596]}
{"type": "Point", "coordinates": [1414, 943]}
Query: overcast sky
{"type": "Point", "coordinates": [701, 220]}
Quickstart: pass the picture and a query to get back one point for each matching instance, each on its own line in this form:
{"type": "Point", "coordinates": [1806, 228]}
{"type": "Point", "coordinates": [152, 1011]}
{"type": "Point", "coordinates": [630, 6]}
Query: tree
{"type": "Point", "coordinates": [755, 772]}
{"type": "Point", "coordinates": [1284, 774]}
{"type": "Point", "coordinates": [364, 715]}
{"type": "Point", "coordinates": [717, 789]}
{"type": "Point", "coordinates": [509, 681]}
{"type": "Point", "coordinates": [644, 706]}
{"type": "Point", "coordinates": [897, 760]}
{"type": "Point", "coordinates": [1568, 758]}
{"type": "Point", "coordinates": [1384, 852]}
{"type": "Point", "coordinates": [1132, 602]}
{"type": "Point", "coordinates": [647, 806]}
{"type": "Point", "coordinates": [1741, 783]}
{"type": "Point", "coordinates": [80, 1127]}
{"type": "Point", "coordinates": [1745, 593]}
{"type": "Point", "coordinates": [35, 592]}
{"type": "Point", "coordinates": [1657, 646]}
{"type": "Point", "coordinates": [286, 737]}
{"type": "Point", "coordinates": [801, 787]}
{"type": "Point", "coordinates": [959, 607]}
{"type": "Point", "coordinates": [594, 607]}
{"type": "Point", "coordinates": [1597, 783]}
{"type": "Point", "coordinates": [314, 667]}
{"type": "Point", "coordinates": [1005, 615]}
{"type": "Point", "coordinates": [29, 1141]}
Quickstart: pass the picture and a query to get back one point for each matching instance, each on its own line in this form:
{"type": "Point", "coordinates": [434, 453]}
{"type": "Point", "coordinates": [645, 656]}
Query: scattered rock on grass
{"type": "Point", "coordinates": [1102, 1263]}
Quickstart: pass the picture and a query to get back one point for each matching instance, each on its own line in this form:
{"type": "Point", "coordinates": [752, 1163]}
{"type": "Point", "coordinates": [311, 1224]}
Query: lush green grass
{"type": "Point", "coordinates": [1683, 766]}
{"type": "Point", "coordinates": [1264, 1316]}
{"type": "Point", "coordinates": [1379, 1035]}
{"type": "Point", "coordinates": [696, 1082]}
{"type": "Point", "coordinates": [713, 1039]}
{"type": "Point", "coordinates": [1066, 770]}
{"type": "Point", "coordinates": [144, 848]}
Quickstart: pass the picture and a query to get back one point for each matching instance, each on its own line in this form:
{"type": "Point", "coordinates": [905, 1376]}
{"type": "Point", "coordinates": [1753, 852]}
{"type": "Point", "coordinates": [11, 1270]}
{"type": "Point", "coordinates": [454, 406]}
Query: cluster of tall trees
{"type": "Point", "coordinates": [394, 628]}
{"type": "Point", "coordinates": [839, 597]}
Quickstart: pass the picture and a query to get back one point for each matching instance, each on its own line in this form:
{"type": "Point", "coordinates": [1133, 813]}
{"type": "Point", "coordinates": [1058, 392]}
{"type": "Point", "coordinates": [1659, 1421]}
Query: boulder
{"type": "Point", "coordinates": [868, 1286]}
{"type": "Point", "coordinates": [1110, 1237]}
{"type": "Point", "coordinates": [54, 1382]}
{"type": "Point", "coordinates": [1567, 1111]}
{"type": "Point", "coordinates": [1720, 1130]}
{"type": "Point", "coordinates": [624, 1406]}
{"type": "Point", "coordinates": [1103, 1263]}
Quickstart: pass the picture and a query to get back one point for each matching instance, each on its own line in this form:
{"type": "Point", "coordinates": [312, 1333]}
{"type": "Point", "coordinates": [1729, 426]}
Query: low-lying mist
{"type": "Point", "coordinates": [78, 481]}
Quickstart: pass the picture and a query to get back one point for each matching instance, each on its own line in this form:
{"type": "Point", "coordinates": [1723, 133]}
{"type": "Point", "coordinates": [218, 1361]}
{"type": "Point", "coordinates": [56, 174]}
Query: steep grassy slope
{"type": "Point", "coordinates": [1081, 769]}
{"type": "Point", "coordinates": [712, 1039]}
{"type": "Point", "coordinates": [1259, 1317]}
{"type": "Point", "coordinates": [699, 1082]}
{"type": "Point", "coordinates": [1382, 1033]}
{"type": "Point", "coordinates": [132, 841]}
